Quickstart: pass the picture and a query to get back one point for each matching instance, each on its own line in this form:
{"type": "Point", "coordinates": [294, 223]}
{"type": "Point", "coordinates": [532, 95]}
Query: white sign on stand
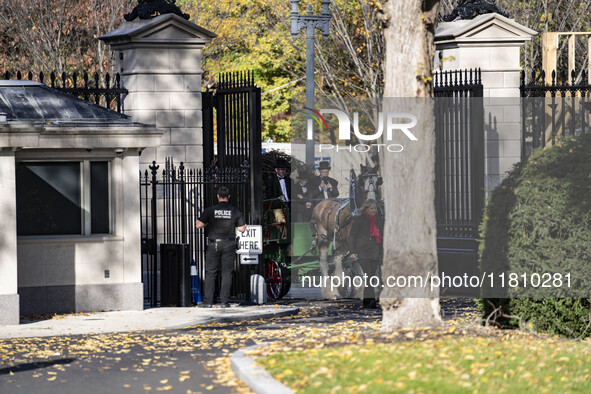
{"type": "Point", "coordinates": [251, 240]}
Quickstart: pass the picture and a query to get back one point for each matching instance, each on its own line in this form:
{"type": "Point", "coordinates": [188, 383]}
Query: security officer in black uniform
{"type": "Point", "coordinates": [222, 219]}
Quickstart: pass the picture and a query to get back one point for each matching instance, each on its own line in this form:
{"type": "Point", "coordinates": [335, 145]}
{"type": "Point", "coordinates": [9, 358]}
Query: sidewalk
{"type": "Point", "coordinates": [149, 319]}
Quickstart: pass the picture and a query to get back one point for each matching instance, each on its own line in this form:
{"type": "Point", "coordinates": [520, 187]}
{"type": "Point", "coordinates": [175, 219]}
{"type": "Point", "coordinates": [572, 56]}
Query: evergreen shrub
{"type": "Point", "coordinates": [539, 220]}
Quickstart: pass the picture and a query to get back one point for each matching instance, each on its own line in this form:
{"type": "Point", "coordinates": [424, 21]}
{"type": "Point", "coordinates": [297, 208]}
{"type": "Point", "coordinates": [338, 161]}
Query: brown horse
{"type": "Point", "coordinates": [331, 222]}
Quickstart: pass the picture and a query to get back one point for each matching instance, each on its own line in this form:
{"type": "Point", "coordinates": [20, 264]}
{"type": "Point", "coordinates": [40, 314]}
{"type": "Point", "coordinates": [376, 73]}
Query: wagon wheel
{"type": "Point", "coordinates": [286, 278]}
{"type": "Point", "coordinates": [277, 280]}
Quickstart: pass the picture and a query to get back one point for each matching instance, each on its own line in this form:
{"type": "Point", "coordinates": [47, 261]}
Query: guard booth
{"type": "Point", "coordinates": [70, 240]}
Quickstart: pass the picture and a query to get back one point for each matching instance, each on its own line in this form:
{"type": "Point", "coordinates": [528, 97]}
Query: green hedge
{"type": "Point", "coordinates": [539, 220]}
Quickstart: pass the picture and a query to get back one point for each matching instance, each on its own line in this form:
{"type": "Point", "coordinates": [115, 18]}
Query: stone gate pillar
{"type": "Point", "coordinates": [492, 43]}
{"type": "Point", "coordinates": [9, 299]}
{"type": "Point", "coordinates": [159, 60]}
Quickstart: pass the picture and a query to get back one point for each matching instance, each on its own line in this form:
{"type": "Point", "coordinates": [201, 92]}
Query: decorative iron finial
{"type": "Point", "coordinates": [147, 9]}
{"type": "Point", "coordinates": [470, 9]}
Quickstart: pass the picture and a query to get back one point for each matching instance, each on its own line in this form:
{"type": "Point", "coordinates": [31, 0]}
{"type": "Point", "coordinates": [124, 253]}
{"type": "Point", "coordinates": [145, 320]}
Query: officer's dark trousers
{"type": "Point", "coordinates": [219, 254]}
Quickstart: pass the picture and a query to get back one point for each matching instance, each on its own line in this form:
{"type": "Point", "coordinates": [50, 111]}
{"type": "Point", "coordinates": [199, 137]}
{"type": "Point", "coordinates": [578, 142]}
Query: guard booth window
{"type": "Point", "coordinates": [63, 198]}
{"type": "Point", "coordinates": [99, 197]}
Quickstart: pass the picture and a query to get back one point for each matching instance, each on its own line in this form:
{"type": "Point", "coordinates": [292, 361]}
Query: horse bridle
{"type": "Point", "coordinates": [372, 184]}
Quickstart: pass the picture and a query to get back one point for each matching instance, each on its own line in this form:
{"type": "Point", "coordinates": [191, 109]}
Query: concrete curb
{"type": "Point", "coordinates": [230, 319]}
{"type": "Point", "coordinates": [255, 376]}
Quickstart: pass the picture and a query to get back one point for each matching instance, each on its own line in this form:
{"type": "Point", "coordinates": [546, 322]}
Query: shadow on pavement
{"type": "Point", "coordinates": [36, 365]}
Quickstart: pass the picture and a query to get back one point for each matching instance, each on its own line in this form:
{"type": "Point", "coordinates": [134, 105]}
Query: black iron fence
{"type": "Point", "coordinates": [459, 169]}
{"type": "Point", "coordinates": [104, 90]}
{"type": "Point", "coordinates": [172, 198]}
{"type": "Point", "coordinates": [553, 109]}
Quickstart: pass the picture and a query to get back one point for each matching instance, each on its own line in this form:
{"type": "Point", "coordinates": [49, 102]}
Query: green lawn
{"type": "Point", "coordinates": [450, 364]}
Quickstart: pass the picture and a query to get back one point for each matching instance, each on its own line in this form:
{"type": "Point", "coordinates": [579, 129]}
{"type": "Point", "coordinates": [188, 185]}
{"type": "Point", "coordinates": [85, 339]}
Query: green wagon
{"type": "Point", "coordinates": [289, 251]}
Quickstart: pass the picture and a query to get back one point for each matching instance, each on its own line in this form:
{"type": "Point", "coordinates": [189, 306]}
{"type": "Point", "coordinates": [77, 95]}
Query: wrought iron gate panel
{"type": "Point", "coordinates": [459, 160]}
{"type": "Point", "coordinates": [232, 113]}
{"type": "Point", "coordinates": [232, 122]}
{"type": "Point", "coordinates": [171, 201]}
{"type": "Point", "coordinates": [459, 168]}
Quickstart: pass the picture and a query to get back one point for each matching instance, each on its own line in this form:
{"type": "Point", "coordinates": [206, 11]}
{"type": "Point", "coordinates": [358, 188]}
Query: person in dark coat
{"type": "Point", "coordinates": [366, 245]}
{"type": "Point", "coordinates": [322, 186]}
{"type": "Point", "coordinates": [279, 185]}
{"type": "Point", "coordinates": [302, 206]}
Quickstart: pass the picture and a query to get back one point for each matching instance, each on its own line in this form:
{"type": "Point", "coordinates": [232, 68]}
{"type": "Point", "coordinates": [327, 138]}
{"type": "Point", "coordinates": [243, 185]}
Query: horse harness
{"type": "Point", "coordinates": [340, 205]}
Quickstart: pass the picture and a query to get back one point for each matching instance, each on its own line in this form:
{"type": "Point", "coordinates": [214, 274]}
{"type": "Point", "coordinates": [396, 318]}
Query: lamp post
{"type": "Point", "coordinates": [310, 22]}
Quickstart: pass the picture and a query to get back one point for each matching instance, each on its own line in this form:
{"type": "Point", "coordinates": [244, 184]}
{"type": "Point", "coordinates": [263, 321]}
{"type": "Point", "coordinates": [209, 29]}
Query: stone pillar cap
{"type": "Point", "coordinates": [484, 30]}
{"type": "Point", "coordinates": [168, 29]}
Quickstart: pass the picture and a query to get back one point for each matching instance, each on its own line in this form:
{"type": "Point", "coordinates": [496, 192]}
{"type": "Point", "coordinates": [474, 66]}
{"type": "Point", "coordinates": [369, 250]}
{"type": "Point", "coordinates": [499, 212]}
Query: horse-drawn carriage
{"type": "Point", "coordinates": [316, 248]}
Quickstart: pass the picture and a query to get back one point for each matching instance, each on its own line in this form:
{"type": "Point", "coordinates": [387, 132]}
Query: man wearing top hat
{"type": "Point", "coordinates": [302, 206]}
{"type": "Point", "coordinates": [322, 186]}
{"type": "Point", "coordinates": [279, 185]}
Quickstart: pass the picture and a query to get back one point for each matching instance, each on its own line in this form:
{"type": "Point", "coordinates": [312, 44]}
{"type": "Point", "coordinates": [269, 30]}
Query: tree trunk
{"type": "Point", "coordinates": [410, 234]}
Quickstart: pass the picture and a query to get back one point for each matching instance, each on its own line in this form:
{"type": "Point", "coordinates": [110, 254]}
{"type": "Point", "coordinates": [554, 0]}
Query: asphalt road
{"type": "Point", "coordinates": [189, 360]}
{"type": "Point", "coordinates": [131, 363]}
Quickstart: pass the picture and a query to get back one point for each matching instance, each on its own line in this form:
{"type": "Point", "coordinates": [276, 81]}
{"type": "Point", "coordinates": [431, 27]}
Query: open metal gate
{"type": "Point", "coordinates": [232, 141]}
{"type": "Point", "coordinates": [172, 197]}
{"type": "Point", "coordinates": [232, 135]}
{"type": "Point", "coordinates": [459, 169]}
